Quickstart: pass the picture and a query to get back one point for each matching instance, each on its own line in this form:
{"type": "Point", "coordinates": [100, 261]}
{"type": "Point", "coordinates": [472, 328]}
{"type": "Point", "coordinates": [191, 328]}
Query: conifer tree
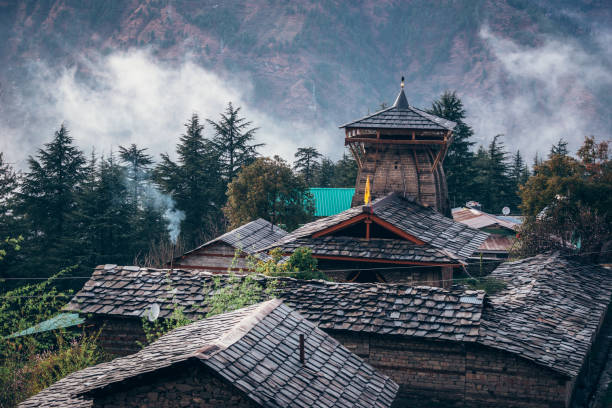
{"type": "Point", "coordinates": [345, 172]}
{"type": "Point", "coordinates": [458, 161]}
{"type": "Point", "coordinates": [307, 163]}
{"type": "Point", "coordinates": [519, 173]}
{"type": "Point", "coordinates": [48, 202]}
{"type": "Point", "coordinates": [138, 163]}
{"type": "Point", "coordinates": [194, 183]}
{"type": "Point", "coordinates": [234, 142]}
{"type": "Point", "coordinates": [558, 149]}
{"type": "Point", "coordinates": [106, 213]}
{"type": "Point", "coordinates": [325, 174]}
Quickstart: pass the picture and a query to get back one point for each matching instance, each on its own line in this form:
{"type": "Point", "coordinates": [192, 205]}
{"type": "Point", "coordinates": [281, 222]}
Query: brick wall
{"type": "Point", "coordinates": [447, 374]}
{"type": "Point", "coordinates": [430, 373]}
{"type": "Point", "coordinates": [119, 336]}
{"type": "Point", "coordinates": [186, 385]}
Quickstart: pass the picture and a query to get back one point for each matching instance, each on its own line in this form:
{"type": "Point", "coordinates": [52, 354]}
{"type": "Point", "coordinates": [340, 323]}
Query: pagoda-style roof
{"type": "Point", "coordinates": [402, 116]}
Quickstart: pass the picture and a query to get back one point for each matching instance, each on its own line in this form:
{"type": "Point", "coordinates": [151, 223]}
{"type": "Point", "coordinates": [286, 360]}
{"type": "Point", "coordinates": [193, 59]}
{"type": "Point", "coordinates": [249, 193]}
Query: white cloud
{"type": "Point", "coordinates": [547, 94]}
{"type": "Point", "coordinates": [132, 97]}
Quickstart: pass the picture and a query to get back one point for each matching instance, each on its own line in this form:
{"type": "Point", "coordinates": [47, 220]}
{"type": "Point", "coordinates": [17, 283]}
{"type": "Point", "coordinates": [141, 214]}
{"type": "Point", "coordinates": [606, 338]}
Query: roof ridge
{"type": "Point", "coordinates": [239, 330]}
{"type": "Point", "coordinates": [429, 116]}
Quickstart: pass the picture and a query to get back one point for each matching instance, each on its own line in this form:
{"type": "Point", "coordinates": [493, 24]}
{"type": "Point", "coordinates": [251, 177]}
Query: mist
{"type": "Point", "coordinates": [132, 97]}
{"type": "Point", "coordinates": [552, 85]}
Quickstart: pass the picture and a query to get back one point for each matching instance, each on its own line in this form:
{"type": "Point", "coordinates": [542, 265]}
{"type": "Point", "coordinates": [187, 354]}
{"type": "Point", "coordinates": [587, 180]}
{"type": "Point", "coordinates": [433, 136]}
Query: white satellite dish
{"type": "Point", "coordinates": [153, 312]}
{"type": "Point", "coordinates": [505, 210]}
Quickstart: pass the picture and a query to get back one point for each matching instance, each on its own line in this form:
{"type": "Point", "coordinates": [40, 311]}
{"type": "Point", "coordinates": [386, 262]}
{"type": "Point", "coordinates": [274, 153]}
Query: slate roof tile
{"type": "Point", "coordinates": [455, 240]}
{"type": "Point", "coordinates": [230, 334]}
{"type": "Point", "coordinates": [549, 312]}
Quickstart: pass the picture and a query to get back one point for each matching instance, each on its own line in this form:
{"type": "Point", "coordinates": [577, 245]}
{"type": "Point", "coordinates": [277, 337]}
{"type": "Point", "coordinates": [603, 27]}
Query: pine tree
{"type": "Point", "coordinates": [458, 162]}
{"type": "Point", "coordinates": [307, 163]}
{"type": "Point", "coordinates": [234, 142]}
{"type": "Point", "coordinates": [138, 163]}
{"type": "Point", "coordinates": [8, 188]}
{"type": "Point", "coordinates": [345, 172]}
{"type": "Point", "coordinates": [195, 184]}
{"type": "Point", "coordinates": [558, 149]}
{"type": "Point", "coordinates": [519, 173]}
{"type": "Point", "coordinates": [106, 211]}
{"type": "Point", "coordinates": [48, 201]}
{"type": "Point", "coordinates": [326, 173]}
{"type": "Point", "coordinates": [500, 184]}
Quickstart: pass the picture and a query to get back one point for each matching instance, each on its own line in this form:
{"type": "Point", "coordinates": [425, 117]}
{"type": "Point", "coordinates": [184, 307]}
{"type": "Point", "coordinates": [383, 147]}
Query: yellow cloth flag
{"type": "Point", "coordinates": [366, 196]}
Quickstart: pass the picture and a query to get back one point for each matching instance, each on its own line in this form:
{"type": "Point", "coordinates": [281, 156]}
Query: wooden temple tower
{"type": "Point", "coordinates": [401, 149]}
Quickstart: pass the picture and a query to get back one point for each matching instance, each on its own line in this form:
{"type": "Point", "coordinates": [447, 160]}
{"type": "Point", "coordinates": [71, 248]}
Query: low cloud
{"type": "Point", "coordinates": [548, 93]}
{"type": "Point", "coordinates": [132, 97]}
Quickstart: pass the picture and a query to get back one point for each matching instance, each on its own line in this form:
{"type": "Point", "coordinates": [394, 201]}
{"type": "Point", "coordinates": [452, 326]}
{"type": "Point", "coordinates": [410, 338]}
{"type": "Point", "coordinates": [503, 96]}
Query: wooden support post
{"type": "Point", "coordinates": [367, 223]}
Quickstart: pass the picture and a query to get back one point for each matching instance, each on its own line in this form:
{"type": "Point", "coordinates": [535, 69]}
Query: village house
{"type": "Point", "coordinates": [536, 343]}
{"type": "Point", "coordinates": [230, 251]}
{"type": "Point", "coordinates": [265, 355]}
{"type": "Point", "coordinates": [393, 239]}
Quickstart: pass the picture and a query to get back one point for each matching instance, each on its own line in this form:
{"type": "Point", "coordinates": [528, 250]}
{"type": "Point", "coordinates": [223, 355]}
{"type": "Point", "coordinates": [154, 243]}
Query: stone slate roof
{"type": "Point", "coordinates": [457, 240]}
{"type": "Point", "coordinates": [250, 237]}
{"type": "Point", "coordinates": [256, 349]}
{"type": "Point", "coordinates": [402, 116]}
{"type": "Point", "coordinates": [550, 311]}
{"type": "Point", "coordinates": [478, 219]}
{"type": "Point", "coordinates": [372, 308]}
{"type": "Point", "coordinates": [374, 249]}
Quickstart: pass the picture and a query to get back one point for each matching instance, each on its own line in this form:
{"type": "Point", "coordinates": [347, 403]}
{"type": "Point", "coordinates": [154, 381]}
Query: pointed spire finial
{"type": "Point", "coordinates": [402, 82]}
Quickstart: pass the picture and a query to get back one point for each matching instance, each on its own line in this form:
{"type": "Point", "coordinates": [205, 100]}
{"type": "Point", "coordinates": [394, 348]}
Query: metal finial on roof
{"type": "Point", "coordinates": [401, 102]}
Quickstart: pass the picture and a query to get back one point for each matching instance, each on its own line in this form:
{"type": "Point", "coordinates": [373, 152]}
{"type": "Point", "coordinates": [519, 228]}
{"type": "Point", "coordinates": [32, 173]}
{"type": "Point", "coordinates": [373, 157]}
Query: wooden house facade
{"type": "Point", "coordinates": [391, 240]}
{"type": "Point", "coordinates": [229, 252]}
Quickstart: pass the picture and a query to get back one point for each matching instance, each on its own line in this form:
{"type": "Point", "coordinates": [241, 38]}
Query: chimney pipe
{"type": "Point", "coordinates": [302, 359]}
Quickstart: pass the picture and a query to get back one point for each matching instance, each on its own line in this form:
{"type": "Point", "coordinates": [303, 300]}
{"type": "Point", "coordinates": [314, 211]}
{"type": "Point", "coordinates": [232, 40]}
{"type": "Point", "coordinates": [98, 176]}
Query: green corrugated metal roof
{"type": "Point", "coordinates": [60, 321]}
{"type": "Point", "coordinates": [330, 201]}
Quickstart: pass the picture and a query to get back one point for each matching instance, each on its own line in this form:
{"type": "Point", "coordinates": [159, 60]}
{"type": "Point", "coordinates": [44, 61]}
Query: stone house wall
{"type": "Point", "coordinates": [430, 373]}
{"type": "Point", "coordinates": [446, 374]}
{"type": "Point", "coordinates": [185, 385]}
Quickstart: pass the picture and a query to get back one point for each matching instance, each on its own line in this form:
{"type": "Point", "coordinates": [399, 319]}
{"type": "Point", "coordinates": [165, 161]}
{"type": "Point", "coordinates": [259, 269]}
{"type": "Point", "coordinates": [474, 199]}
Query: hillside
{"type": "Point", "coordinates": [315, 61]}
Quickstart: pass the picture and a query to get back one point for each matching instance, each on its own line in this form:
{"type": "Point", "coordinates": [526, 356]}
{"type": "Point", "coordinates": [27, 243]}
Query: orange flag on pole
{"type": "Point", "coordinates": [366, 196]}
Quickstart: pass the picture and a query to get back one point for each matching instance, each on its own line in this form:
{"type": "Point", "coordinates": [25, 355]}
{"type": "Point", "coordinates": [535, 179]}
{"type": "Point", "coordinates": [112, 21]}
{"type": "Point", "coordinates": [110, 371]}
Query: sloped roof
{"type": "Point", "coordinates": [479, 219]}
{"type": "Point", "coordinates": [256, 350]}
{"type": "Point", "coordinates": [330, 201]}
{"type": "Point", "coordinates": [250, 237]}
{"type": "Point", "coordinates": [375, 249]}
{"type": "Point", "coordinates": [550, 311]}
{"type": "Point", "coordinates": [372, 308]}
{"type": "Point", "coordinates": [402, 116]}
{"type": "Point", "coordinates": [456, 239]}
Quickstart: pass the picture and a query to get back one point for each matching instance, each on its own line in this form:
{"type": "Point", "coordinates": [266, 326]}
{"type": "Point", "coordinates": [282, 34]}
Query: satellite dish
{"type": "Point", "coordinates": [153, 312]}
{"type": "Point", "coordinates": [505, 210]}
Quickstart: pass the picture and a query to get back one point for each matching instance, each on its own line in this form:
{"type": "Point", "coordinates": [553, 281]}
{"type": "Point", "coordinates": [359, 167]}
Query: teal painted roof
{"type": "Point", "coordinates": [60, 321]}
{"type": "Point", "coordinates": [331, 201]}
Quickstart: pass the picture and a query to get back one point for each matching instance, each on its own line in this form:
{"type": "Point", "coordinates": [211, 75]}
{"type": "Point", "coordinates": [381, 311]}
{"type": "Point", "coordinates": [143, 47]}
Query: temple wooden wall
{"type": "Point", "coordinates": [406, 170]}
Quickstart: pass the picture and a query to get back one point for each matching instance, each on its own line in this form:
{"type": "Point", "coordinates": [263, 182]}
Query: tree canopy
{"type": "Point", "coordinates": [269, 189]}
